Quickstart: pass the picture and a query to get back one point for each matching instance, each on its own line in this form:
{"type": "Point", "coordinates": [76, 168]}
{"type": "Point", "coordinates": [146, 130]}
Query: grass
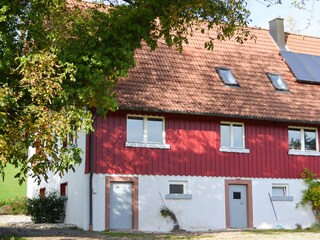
{"type": "Point", "coordinates": [273, 231]}
{"type": "Point", "coordinates": [11, 238]}
{"type": "Point", "coordinates": [251, 234]}
{"type": "Point", "coordinates": [10, 188]}
{"type": "Point", "coordinates": [170, 236]}
{"type": "Point", "coordinates": [127, 235]}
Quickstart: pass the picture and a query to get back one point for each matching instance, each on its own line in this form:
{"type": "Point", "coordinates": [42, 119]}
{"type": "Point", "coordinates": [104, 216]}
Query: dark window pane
{"type": "Point", "coordinates": [294, 139]}
{"type": "Point", "coordinates": [310, 140]}
{"type": "Point", "coordinates": [63, 189]}
{"type": "Point", "coordinates": [236, 195]}
{"type": "Point", "coordinates": [155, 128]}
{"type": "Point", "coordinates": [176, 188]}
{"type": "Point", "coordinates": [135, 129]}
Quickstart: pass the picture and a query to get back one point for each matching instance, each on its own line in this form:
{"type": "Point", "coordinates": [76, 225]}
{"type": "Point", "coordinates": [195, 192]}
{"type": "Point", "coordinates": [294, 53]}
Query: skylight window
{"type": "Point", "coordinates": [277, 82]}
{"type": "Point", "coordinates": [227, 76]}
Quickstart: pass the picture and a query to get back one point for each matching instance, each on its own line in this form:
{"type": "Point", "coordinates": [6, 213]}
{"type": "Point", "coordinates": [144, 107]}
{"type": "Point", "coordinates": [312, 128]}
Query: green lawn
{"type": "Point", "coordinates": [10, 187]}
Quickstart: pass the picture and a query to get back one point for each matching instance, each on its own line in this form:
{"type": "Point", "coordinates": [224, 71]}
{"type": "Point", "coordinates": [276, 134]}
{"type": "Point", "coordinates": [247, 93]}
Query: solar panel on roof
{"type": "Point", "coordinates": [305, 67]}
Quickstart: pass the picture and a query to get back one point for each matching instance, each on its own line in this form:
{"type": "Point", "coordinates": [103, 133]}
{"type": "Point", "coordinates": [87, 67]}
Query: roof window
{"type": "Point", "coordinates": [277, 82]}
{"type": "Point", "coordinates": [227, 76]}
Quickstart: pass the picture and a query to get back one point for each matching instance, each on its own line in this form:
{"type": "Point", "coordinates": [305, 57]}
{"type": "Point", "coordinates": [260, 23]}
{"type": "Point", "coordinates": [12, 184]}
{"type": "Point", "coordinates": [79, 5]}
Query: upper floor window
{"type": "Point", "coordinates": [303, 141]}
{"type": "Point", "coordinates": [227, 76]}
{"type": "Point", "coordinates": [277, 82]}
{"type": "Point", "coordinates": [232, 137]}
{"type": "Point", "coordinates": [145, 131]}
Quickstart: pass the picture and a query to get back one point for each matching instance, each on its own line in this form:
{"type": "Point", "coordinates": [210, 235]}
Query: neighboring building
{"type": "Point", "coordinates": [213, 133]}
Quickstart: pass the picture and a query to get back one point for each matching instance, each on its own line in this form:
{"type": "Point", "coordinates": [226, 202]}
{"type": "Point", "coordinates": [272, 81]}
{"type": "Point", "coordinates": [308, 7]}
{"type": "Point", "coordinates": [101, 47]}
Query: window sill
{"type": "Point", "coordinates": [235, 150]}
{"type": "Point", "coordinates": [178, 196]}
{"type": "Point", "coordinates": [303, 153]}
{"type": "Point", "coordinates": [148, 145]}
{"type": "Point", "coordinates": [282, 198]}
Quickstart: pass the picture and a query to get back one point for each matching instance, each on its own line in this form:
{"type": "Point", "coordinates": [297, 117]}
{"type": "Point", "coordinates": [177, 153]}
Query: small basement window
{"type": "Point", "coordinates": [280, 192]}
{"type": "Point", "coordinates": [227, 76]}
{"type": "Point", "coordinates": [178, 190]}
{"type": "Point", "coordinates": [277, 81]}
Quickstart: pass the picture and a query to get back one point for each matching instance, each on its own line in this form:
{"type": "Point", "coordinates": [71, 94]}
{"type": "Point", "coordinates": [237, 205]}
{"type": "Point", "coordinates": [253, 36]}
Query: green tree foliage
{"type": "Point", "coordinates": [61, 59]}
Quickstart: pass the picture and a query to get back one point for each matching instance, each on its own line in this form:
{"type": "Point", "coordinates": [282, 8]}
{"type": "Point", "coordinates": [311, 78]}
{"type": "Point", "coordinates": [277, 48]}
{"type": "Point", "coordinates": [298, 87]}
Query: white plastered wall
{"type": "Point", "coordinates": [77, 205]}
{"type": "Point", "coordinates": [206, 210]}
{"type": "Point", "coordinates": [287, 212]}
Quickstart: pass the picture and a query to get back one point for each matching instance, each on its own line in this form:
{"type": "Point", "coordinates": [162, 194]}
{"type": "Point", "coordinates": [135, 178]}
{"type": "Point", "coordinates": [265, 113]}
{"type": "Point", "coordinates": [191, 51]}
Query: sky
{"type": "Point", "coordinates": [295, 20]}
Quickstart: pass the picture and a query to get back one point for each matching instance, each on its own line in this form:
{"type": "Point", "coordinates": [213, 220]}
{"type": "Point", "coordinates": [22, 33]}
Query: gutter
{"type": "Point", "coordinates": [91, 170]}
{"type": "Point", "coordinates": [213, 114]}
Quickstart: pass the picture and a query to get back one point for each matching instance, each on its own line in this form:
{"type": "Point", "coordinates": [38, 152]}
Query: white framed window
{"type": "Point", "coordinates": [232, 137]}
{"type": "Point", "coordinates": [227, 76]}
{"type": "Point", "coordinates": [146, 131]}
{"type": "Point", "coordinates": [177, 190]}
{"type": "Point", "coordinates": [280, 192]}
{"type": "Point", "coordinates": [303, 141]}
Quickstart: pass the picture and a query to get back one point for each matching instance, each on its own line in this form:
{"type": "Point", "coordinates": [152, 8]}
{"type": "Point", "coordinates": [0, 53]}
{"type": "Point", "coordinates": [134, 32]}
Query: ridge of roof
{"type": "Point", "coordinates": [301, 35]}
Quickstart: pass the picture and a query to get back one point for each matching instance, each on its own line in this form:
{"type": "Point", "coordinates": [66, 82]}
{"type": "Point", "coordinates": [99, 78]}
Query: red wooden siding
{"type": "Point", "coordinates": [194, 149]}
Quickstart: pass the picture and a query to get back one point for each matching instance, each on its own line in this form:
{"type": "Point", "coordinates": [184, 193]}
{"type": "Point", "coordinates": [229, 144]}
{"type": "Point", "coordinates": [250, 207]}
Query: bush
{"type": "Point", "coordinates": [46, 209]}
{"type": "Point", "coordinates": [16, 206]}
{"type": "Point", "coordinates": [166, 212]}
{"type": "Point", "coordinates": [312, 193]}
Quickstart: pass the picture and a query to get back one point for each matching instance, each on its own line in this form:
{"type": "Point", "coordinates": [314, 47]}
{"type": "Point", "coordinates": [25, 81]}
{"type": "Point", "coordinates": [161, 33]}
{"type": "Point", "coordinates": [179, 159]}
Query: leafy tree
{"type": "Point", "coordinates": [60, 61]}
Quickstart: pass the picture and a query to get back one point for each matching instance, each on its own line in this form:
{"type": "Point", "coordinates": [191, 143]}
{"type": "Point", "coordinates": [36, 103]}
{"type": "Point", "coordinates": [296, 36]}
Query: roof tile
{"type": "Point", "coordinates": [169, 81]}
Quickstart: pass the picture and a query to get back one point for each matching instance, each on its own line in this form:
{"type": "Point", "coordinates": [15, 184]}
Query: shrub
{"type": "Point", "coordinates": [166, 212]}
{"type": "Point", "coordinates": [312, 193]}
{"type": "Point", "coordinates": [315, 227]}
{"type": "Point", "coordinates": [46, 209]}
{"type": "Point", "coordinates": [17, 205]}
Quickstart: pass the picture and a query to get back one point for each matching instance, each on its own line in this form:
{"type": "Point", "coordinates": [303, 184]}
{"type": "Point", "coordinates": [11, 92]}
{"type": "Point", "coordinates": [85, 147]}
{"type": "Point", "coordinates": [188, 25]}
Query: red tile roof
{"type": "Point", "coordinates": [165, 80]}
{"type": "Point", "coordinates": [303, 44]}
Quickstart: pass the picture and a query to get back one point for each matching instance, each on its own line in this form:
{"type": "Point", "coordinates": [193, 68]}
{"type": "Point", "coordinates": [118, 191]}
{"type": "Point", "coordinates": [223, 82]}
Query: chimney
{"type": "Point", "coordinates": [276, 30]}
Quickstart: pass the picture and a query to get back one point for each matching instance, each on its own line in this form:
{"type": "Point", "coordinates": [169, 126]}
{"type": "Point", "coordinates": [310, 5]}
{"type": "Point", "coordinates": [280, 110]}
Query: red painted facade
{"type": "Point", "coordinates": [194, 149]}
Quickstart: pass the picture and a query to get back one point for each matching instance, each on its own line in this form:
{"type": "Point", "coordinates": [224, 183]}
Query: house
{"type": "Point", "coordinates": [210, 134]}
